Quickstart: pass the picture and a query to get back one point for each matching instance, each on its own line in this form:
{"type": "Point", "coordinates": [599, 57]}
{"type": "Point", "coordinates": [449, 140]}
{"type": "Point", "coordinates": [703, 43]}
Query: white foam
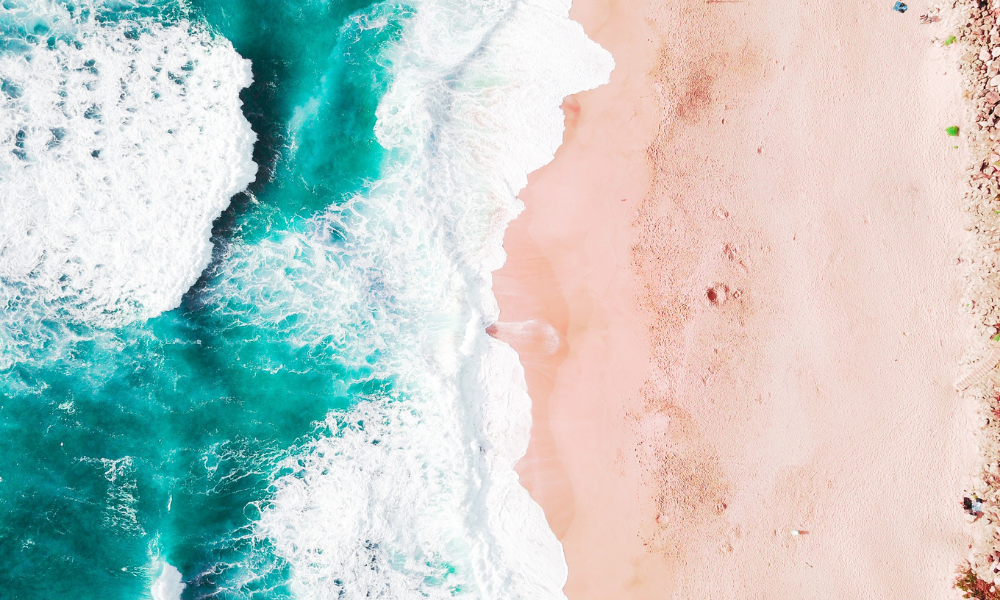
{"type": "Point", "coordinates": [533, 336]}
{"type": "Point", "coordinates": [121, 511]}
{"type": "Point", "coordinates": [168, 585]}
{"type": "Point", "coordinates": [116, 155]}
{"type": "Point", "coordinates": [413, 493]}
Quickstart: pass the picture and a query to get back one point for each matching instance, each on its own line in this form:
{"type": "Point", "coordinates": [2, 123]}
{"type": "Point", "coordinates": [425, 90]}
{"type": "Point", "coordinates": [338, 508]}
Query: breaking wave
{"type": "Point", "coordinates": [122, 144]}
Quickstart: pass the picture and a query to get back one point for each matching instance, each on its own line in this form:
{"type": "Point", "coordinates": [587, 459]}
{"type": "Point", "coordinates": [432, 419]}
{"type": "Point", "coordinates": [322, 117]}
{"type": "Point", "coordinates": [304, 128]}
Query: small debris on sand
{"type": "Point", "coordinates": [717, 294]}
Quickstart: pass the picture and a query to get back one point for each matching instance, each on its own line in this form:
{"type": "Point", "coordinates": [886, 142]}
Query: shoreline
{"type": "Point", "coordinates": [569, 278]}
{"type": "Point", "coordinates": [764, 342]}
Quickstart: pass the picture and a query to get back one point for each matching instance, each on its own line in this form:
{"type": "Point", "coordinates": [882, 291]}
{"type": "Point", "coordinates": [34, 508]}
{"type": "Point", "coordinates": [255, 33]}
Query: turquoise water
{"type": "Point", "coordinates": [308, 418]}
{"type": "Point", "coordinates": [187, 403]}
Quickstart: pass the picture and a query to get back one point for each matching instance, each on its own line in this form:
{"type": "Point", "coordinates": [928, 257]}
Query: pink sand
{"type": "Point", "coordinates": [792, 157]}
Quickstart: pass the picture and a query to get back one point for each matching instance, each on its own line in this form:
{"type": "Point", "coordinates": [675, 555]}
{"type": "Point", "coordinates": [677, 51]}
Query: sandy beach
{"type": "Point", "coordinates": [748, 247]}
{"type": "Point", "coordinates": [569, 266]}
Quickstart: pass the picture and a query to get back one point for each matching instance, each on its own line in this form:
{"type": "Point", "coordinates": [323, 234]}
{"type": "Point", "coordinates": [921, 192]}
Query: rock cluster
{"type": "Point", "coordinates": [978, 36]}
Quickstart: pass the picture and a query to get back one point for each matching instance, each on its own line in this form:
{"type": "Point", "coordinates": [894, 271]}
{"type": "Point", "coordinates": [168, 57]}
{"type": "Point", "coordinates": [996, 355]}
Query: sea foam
{"type": "Point", "coordinates": [121, 143]}
{"type": "Point", "coordinates": [168, 584]}
{"type": "Point", "coordinates": [412, 494]}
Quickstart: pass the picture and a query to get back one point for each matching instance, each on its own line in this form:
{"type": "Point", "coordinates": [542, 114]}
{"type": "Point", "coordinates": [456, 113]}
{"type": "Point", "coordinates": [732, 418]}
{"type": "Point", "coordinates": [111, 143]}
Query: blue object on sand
{"type": "Point", "coordinates": [899, 7]}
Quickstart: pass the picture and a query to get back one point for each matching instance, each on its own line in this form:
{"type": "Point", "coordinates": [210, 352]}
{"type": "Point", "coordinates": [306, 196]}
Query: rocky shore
{"type": "Point", "coordinates": [978, 36]}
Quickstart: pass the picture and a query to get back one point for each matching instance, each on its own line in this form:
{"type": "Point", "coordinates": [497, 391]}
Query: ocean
{"type": "Point", "coordinates": [245, 272]}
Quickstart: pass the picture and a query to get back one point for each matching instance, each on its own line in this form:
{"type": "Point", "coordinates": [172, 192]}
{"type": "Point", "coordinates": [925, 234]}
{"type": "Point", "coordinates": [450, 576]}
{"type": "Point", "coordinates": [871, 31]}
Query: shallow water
{"type": "Point", "coordinates": [286, 392]}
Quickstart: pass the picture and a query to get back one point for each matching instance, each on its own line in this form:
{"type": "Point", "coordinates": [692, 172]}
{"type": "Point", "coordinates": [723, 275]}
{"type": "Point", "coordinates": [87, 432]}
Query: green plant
{"type": "Point", "coordinates": [973, 586]}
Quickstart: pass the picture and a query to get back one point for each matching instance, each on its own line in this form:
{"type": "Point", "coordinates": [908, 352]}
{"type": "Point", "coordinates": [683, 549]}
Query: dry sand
{"type": "Point", "coordinates": [759, 317]}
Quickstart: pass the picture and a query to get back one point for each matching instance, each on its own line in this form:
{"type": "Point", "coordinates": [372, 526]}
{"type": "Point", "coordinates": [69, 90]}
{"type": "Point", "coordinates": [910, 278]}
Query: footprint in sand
{"type": "Point", "coordinates": [976, 374]}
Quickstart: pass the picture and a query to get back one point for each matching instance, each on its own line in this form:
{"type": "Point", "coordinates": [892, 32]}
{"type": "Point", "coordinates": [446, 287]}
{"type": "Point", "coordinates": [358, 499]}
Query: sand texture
{"type": "Point", "coordinates": [749, 250]}
{"type": "Point", "coordinates": [820, 398]}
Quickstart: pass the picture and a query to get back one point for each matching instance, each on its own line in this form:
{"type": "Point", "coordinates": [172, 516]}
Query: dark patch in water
{"type": "Point", "coordinates": [58, 134]}
{"type": "Point", "coordinates": [10, 88]}
{"type": "Point", "coordinates": [338, 152]}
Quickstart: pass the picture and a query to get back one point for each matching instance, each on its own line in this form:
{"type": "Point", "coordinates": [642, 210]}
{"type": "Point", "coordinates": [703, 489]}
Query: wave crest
{"type": "Point", "coordinates": [413, 493]}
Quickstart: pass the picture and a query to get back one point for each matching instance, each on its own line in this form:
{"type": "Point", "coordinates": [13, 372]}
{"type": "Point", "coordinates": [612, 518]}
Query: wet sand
{"type": "Point", "coordinates": [570, 266]}
{"type": "Point", "coordinates": [747, 247]}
